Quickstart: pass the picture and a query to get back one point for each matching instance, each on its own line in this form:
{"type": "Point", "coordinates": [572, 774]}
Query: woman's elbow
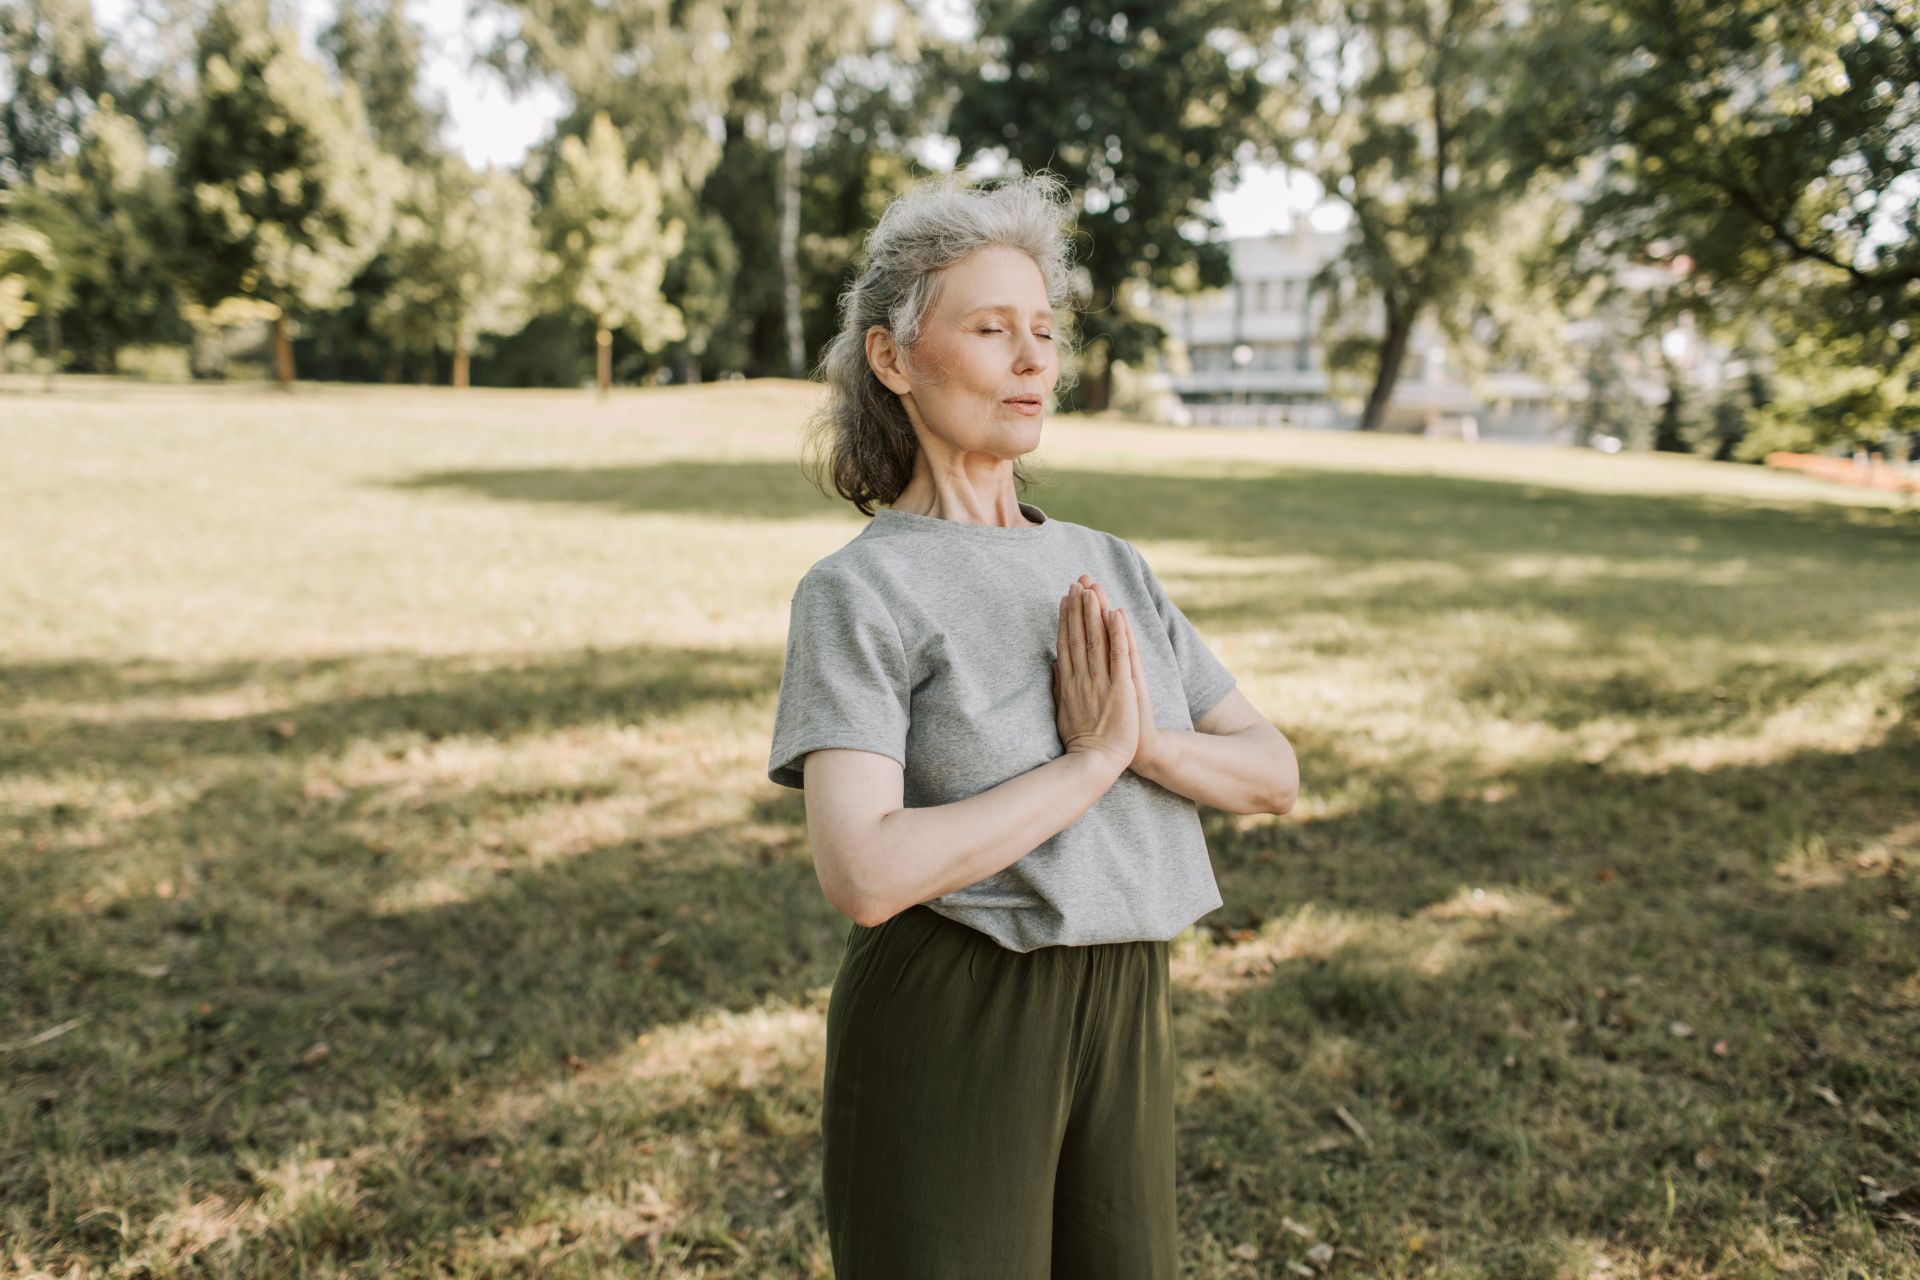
{"type": "Point", "coordinates": [848, 891]}
{"type": "Point", "coordinates": [843, 894]}
{"type": "Point", "coordinates": [1285, 792]}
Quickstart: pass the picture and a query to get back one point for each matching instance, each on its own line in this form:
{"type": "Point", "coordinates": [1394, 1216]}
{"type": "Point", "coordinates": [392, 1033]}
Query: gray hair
{"type": "Point", "coordinates": [862, 440]}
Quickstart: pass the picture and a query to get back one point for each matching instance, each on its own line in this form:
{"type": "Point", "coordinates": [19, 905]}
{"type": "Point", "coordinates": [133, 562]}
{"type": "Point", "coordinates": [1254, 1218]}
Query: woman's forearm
{"type": "Point", "coordinates": [923, 853]}
{"type": "Point", "coordinates": [1252, 771]}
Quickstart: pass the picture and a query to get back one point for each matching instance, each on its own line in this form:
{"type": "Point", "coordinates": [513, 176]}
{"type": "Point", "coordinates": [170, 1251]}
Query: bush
{"type": "Point", "coordinates": [162, 362]}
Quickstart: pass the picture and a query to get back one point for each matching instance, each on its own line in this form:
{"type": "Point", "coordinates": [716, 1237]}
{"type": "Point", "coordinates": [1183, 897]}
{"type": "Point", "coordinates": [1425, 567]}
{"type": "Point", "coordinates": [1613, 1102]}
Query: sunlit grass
{"type": "Point", "coordinates": [390, 883]}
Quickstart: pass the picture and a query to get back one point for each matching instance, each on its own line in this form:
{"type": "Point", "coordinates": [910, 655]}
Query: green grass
{"type": "Point", "coordinates": [382, 802]}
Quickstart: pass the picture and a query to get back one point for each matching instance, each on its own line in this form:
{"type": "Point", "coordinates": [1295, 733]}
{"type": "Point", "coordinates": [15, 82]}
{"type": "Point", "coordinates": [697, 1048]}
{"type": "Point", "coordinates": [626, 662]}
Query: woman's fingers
{"type": "Point", "coordinates": [1071, 642]}
{"type": "Point", "coordinates": [1133, 652]}
{"type": "Point", "coordinates": [1096, 624]}
{"type": "Point", "coordinates": [1121, 648]}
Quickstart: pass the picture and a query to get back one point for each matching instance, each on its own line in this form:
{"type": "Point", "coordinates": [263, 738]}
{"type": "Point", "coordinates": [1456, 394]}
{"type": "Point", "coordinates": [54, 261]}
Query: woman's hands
{"type": "Point", "coordinates": [1099, 690]}
{"type": "Point", "coordinates": [1150, 735]}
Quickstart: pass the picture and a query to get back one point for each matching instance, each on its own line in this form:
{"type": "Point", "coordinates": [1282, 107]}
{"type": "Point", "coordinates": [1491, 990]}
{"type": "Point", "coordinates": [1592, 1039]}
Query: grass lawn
{"type": "Point", "coordinates": [390, 883]}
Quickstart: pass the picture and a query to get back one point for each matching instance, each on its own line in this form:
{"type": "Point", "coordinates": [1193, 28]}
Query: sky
{"type": "Point", "coordinates": [490, 126]}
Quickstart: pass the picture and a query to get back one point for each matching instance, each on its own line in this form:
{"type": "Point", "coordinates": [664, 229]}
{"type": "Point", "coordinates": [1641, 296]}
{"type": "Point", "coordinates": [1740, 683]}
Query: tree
{"type": "Point", "coordinates": [862, 123]}
{"type": "Point", "coordinates": [1770, 144]}
{"type": "Point", "coordinates": [660, 70]}
{"type": "Point", "coordinates": [283, 196]}
{"type": "Point", "coordinates": [107, 207]}
{"type": "Point", "coordinates": [604, 229]}
{"type": "Point", "coordinates": [700, 84]}
{"type": "Point", "coordinates": [1389, 105]}
{"type": "Point", "coordinates": [375, 47]}
{"type": "Point", "coordinates": [1510, 316]}
{"type": "Point", "coordinates": [465, 258]}
{"type": "Point", "coordinates": [698, 281]}
{"type": "Point", "coordinates": [27, 262]}
{"type": "Point", "coordinates": [1142, 108]}
{"type": "Point", "coordinates": [1827, 381]}
{"type": "Point", "coordinates": [786, 49]}
{"type": "Point", "coordinates": [56, 66]}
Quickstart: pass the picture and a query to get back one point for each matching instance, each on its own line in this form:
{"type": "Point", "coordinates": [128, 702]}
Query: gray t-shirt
{"type": "Point", "coordinates": [932, 641]}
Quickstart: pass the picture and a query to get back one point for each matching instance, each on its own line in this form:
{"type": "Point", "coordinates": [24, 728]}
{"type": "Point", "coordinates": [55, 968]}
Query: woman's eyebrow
{"type": "Point", "coordinates": [1004, 308]}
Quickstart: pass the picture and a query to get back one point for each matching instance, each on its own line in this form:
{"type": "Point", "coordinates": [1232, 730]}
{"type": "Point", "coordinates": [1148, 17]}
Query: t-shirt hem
{"type": "Point", "coordinates": [1210, 701]}
{"type": "Point", "coordinates": [786, 768]}
{"type": "Point", "coordinates": [1001, 924]}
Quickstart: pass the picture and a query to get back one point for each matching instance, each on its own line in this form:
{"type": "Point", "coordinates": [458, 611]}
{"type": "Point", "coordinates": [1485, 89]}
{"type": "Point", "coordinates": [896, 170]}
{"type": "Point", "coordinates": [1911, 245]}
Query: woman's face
{"type": "Point", "coordinates": [986, 344]}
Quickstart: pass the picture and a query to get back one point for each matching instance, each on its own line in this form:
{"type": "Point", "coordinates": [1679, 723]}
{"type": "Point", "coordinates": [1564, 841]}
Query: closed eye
{"type": "Point", "coordinates": [1047, 336]}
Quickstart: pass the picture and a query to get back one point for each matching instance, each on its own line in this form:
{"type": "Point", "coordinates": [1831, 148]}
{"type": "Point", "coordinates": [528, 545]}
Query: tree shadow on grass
{"type": "Point", "coordinates": [454, 1021]}
{"type": "Point", "coordinates": [332, 702]}
{"type": "Point", "coordinates": [255, 916]}
{"type": "Point", "coordinates": [1539, 1009]}
{"type": "Point", "coordinates": [1679, 566]}
{"type": "Point", "coordinates": [748, 490]}
{"type": "Point", "coordinates": [1246, 506]}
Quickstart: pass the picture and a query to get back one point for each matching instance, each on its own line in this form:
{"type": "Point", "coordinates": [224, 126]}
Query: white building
{"type": "Point", "coordinates": [1267, 319]}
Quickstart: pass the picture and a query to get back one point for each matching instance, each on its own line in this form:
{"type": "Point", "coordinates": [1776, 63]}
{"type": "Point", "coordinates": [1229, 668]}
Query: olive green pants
{"type": "Point", "coordinates": [998, 1115]}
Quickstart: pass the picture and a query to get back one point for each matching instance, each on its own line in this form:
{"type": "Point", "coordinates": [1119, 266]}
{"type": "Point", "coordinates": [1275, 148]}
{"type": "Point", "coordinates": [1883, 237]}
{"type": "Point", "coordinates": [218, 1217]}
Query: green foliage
{"type": "Point", "coordinates": [109, 210]}
{"type": "Point", "coordinates": [659, 76]}
{"type": "Point", "coordinates": [699, 99]}
{"type": "Point", "coordinates": [464, 259]}
{"type": "Point", "coordinates": [700, 278]}
{"type": "Point", "coordinates": [1507, 314]}
{"type": "Point", "coordinates": [375, 47]}
{"type": "Point", "coordinates": [604, 230]}
{"type": "Point", "coordinates": [1769, 145]}
{"type": "Point", "coordinates": [283, 195]}
{"type": "Point", "coordinates": [1831, 383]}
{"type": "Point", "coordinates": [54, 65]}
{"type": "Point", "coordinates": [1143, 110]}
{"type": "Point", "coordinates": [28, 262]}
{"type": "Point", "coordinates": [736, 193]}
{"type": "Point", "coordinates": [1389, 108]}
{"type": "Point", "coordinates": [160, 363]}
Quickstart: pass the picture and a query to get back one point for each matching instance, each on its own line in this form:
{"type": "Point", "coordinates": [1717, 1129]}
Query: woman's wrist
{"type": "Point", "coordinates": [1098, 763]}
{"type": "Point", "coordinates": [1155, 758]}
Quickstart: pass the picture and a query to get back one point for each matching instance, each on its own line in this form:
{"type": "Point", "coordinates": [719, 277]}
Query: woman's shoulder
{"type": "Point", "coordinates": [867, 574]}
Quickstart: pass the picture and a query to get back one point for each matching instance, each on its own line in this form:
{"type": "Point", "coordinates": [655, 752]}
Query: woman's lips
{"type": "Point", "coordinates": [1029, 407]}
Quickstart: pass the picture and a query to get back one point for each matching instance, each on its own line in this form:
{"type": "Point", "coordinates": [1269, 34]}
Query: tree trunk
{"type": "Point", "coordinates": [603, 339]}
{"type": "Point", "coordinates": [282, 351]}
{"type": "Point", "coordinates": [1587, 420]}
{"type": "Point", "coordinates": [460, 362]}
{"type": "Point", "coordinates": [53, 347]}
{"type": "Point", "coordinates": [1393, 349]}
{"type": "Point", "coordinates": [1666, 436]}
{"type": "Point", "coordinates": [790, 235]}
{"type": "Point", "coordinates": [1100, 385]}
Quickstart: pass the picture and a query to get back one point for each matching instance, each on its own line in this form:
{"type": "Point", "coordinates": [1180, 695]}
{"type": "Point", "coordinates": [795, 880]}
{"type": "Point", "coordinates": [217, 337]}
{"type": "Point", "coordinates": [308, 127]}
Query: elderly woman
{"type": "Point", "coordinates": [1001, 772]}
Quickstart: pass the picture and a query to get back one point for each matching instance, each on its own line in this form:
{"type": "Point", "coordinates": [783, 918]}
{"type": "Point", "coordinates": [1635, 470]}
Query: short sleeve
{"type": "Point", "coordinates": [1204, 677]}
{"type": "Point", "coordinates": [846, 682]}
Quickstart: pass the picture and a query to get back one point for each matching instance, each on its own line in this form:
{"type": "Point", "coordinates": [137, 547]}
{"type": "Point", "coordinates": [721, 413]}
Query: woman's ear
{"type": "Point", "coordinates": [883, 357]}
